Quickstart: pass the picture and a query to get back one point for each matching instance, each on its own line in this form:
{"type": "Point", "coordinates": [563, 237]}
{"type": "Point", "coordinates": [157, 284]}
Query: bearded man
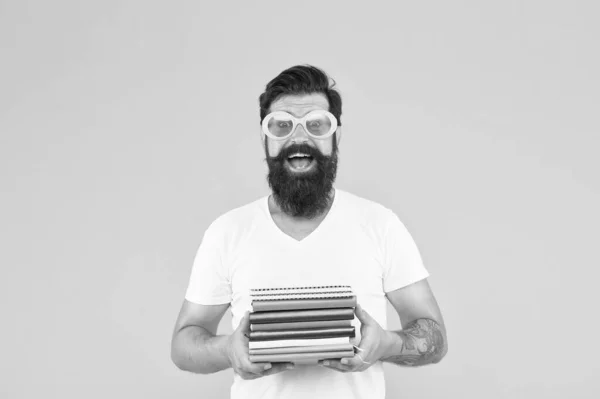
{"type": "Point", "coordinates": [307, 233]}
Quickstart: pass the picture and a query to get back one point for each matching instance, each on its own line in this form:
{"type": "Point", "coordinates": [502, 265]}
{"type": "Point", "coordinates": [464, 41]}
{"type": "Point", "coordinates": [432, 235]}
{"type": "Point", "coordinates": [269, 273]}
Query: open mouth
{"type": "Point", "coordinates": [300, 161]}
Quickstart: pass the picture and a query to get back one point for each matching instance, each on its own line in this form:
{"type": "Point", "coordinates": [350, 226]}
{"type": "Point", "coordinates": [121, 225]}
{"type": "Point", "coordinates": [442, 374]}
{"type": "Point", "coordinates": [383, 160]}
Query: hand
{"type": "Point", "coordinates": [372, 346]}
{"type": "Point", "coordinates": [238, 354]}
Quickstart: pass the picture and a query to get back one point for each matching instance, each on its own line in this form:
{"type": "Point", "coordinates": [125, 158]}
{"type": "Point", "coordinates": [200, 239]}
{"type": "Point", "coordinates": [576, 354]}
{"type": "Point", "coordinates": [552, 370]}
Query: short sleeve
{"type": "Point", "coordinates": [209, 281]}
{"type": "Point", "coordinates": [402, 261]}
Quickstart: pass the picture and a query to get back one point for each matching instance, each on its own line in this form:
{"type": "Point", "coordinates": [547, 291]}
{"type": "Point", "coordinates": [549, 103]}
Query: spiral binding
{"type": "Point", "coordinates": [300, 288]}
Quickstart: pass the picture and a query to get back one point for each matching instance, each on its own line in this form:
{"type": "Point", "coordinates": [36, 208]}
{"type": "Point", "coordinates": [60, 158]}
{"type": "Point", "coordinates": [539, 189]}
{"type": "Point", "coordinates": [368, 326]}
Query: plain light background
{"type": "Point", "coordinates": [126, 127]}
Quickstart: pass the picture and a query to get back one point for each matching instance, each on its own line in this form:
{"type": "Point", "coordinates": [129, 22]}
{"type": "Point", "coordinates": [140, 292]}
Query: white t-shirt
{"type": "Point", "coordinates": [359, 243]}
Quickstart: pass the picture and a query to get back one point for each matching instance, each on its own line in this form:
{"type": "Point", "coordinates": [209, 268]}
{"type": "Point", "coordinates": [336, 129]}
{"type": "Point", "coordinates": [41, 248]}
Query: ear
{"type": "Point", "coordinates": [262, 137]}
{"type": "Point", "coordinates": [338, 135]}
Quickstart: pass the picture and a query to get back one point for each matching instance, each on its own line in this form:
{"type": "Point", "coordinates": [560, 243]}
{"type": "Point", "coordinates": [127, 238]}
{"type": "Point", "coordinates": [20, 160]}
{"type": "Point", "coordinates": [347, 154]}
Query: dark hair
{"type": "Point", "coordinates": [301, 79]}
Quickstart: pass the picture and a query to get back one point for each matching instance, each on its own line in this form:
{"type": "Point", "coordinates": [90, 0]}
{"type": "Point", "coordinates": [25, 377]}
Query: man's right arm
{"type": "Point", "coordinates": [195, 346]}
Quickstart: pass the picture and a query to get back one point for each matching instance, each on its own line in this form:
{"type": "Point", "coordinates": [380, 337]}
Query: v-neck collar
{"type": "Point", "coordinates": [316, 231]}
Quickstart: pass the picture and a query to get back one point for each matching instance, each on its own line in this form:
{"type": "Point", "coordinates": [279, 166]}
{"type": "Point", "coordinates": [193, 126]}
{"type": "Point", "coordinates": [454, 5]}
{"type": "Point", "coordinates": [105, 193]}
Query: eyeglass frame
{"type": "Point", "coordinates": [300, 121]}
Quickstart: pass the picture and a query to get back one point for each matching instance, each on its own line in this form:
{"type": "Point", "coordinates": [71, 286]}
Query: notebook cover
{"type": "Point", "coordinates": [296, 357]}
{"type": "Point", "coordinates": [300, 325]}
{"type": "Point", "coordinates": [262, 305]}
{"type": "Point", "coordinates": [302, 334]}
{"type": "Point", "coordinates": [314, 295]}
{"type": "Point", "coordinates": [283, 343]}
{"type": "Point", "coordinates": [303, 349]}
{"type": "Point", "coordinates": [284, 316]}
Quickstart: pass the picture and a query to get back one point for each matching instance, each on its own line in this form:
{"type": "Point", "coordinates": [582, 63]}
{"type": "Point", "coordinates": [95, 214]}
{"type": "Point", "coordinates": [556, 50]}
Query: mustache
{"type": "Point", "coordinates": [303, 148]}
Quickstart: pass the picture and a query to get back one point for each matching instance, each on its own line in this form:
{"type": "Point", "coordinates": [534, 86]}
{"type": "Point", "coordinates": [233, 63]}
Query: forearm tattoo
{"type": "Point", "coordinates": [422, 343]}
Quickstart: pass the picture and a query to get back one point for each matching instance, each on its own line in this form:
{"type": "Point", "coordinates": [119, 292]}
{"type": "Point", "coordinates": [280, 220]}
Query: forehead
{"type": "Point", "coordinates": [300, 104]}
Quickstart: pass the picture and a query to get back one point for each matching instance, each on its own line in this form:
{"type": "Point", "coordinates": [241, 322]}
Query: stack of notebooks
{"type": "Point", "coordinates": [301, 324]}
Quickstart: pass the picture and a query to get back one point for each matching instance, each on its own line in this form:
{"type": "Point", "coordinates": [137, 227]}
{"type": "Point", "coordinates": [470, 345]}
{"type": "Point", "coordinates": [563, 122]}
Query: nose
{"type": "Point", "coordinates": [299, 134]}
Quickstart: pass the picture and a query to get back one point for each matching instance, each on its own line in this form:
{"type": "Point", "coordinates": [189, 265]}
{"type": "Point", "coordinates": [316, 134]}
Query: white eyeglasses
{"type": "Point", "coordinates": [280, 125]}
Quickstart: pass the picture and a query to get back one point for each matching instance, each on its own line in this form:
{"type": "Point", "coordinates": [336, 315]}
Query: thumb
{"type": "Point", "coordinates": [362, 315]}
{"type": "Point", "coordinates": [244, 325]}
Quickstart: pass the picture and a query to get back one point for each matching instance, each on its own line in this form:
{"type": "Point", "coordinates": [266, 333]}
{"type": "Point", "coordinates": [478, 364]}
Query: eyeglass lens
{"type": "Point", "coordinates": [317, 124]}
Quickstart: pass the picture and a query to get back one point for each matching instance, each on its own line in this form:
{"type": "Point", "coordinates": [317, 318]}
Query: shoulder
{"type": "Point", "coordinates": [366, 211]}
{"type": "Point", "coordinates": [238, 220]}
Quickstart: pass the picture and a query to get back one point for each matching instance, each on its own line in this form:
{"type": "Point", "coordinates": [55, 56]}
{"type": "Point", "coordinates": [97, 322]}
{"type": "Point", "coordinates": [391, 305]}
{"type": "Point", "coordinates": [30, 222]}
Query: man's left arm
{"type": "Point", "coordinates": [421, 341]}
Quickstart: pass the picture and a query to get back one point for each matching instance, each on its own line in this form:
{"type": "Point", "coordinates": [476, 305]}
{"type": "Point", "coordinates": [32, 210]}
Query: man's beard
{"type": "Point", "coordinates": [304, 194]}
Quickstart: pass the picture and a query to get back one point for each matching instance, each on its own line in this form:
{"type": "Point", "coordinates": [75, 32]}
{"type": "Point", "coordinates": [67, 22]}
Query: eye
{"type": "Point", "coordinates": [284, 124]}
{"type": "Point", "coordinates": [315, 123]}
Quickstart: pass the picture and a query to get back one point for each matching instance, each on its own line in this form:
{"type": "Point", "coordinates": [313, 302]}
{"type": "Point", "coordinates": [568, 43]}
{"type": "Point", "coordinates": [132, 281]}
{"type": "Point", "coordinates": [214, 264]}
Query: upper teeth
{"type": "Point", "coordinates": [298, 154]}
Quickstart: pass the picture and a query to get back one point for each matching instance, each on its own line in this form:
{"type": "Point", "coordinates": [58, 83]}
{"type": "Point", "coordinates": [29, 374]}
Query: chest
{"type": "Point", "coordinates": [297, 231]}
{"type": "Point", "coordinates": [327, 257]}
{"type": "Point", "coordinates": [331, 258]}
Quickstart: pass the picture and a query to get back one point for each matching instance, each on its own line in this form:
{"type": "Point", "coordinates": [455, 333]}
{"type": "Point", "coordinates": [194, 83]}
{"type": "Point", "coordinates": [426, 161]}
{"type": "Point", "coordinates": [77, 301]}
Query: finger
{"type": "Point", "coordinates": [335, 368]}
{"type": "Point", "coordinates": [335, 364]}
{"type": "Point", "coordinates": [352, 362]}
{"type": "Point", "coordinates": [256, 368]}
{"type": "Point", "coordinates": [248, 376]}
{"type": "Point", "coordinates": [244, 374]}
{"type": "Point", "coordinates": [360, 359]}
{"type": "Point", "coordinates": [278, 368]}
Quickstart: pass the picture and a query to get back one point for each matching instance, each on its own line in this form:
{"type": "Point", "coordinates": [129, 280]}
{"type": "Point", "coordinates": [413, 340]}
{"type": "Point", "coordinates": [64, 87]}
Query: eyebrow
{"type": "Point", "coordinates": [306, 113]}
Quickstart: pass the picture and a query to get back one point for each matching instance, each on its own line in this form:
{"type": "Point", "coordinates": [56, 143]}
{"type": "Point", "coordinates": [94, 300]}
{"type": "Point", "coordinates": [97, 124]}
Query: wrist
{"type": "Point", "coordinates": [391, 342]}
{"type": "Point", "coordinates": [226, 349]}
